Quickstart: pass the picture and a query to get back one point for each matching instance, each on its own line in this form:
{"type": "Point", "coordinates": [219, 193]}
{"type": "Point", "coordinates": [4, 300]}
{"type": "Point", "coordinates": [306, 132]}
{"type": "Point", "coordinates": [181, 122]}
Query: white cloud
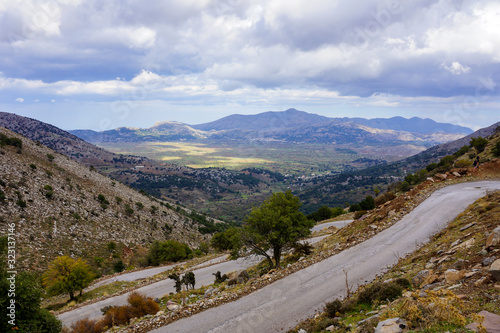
{"type": "Point", "coordinates": [456, 68]}
{"type": "Point", "coordinates": [141, 38]}
{"type": "Point", "coordinates": [145, 77]}
{"type": "Point", "coordinates": [20, 100]}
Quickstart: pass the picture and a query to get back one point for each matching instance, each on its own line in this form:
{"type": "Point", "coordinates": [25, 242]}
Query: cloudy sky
{"type": "Point", "coordinates": [103, 64]}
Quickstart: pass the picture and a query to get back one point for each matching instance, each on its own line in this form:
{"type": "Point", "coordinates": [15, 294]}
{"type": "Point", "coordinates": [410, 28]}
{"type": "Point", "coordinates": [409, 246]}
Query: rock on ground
{"type": "Point", "coordinates": [392, 325]}
{"type": "Point", "coordinates": [491, 322]}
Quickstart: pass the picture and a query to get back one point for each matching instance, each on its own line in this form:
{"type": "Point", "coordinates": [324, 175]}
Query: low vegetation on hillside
{"type": "Point", "coordinates": [64, 208]}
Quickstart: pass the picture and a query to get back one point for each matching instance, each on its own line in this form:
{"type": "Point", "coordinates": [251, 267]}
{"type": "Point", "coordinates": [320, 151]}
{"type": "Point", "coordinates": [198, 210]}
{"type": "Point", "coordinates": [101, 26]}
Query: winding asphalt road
{"type": "Point", "coordinates": [338, 224]}
{"type": "Point", "coordinates": [145, 273]}
{"type": "Point", "coordinates": [203, 273]}
{"type": "Point", "coordinates": [282, 304]}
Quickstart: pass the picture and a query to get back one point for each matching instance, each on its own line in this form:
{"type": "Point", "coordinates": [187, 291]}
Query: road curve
{"type": "Point", "coordinates": [159, 289]}
{"type": "Point", "coordinates": [282, 304]}
{"type": "Point", "coordinates": [338, 224]}
{"type": "Point", "coordinates": [204, 276]}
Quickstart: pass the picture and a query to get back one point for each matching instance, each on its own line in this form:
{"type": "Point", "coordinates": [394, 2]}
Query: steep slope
{"type": "Point", "coordinates": [59, 206]}
{"type": "Point", "coordinates": [55, 138]}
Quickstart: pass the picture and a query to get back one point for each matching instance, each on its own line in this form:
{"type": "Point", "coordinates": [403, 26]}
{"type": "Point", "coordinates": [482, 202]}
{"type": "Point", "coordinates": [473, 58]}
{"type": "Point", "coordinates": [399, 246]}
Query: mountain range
{"type": "Point", "coordinates": [291, 126]}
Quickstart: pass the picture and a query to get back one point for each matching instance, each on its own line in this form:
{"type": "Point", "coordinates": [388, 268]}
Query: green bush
{"type": "Point", "coordinates": [227, 240]}
{"type": "Point", "coordinates": [431, 167]}
{"type": "Point", "coordinates": [354, 208]}
{"type": "Point", "coordinates": [332, 308]}
{"type": "Point", "coordinates": [479, 143]}
{"type": "Point", "coordinates": [48, 191]}
{"type": "Point", "coordinates": [168, 251]}
{"type": "Point", "coordinates": [380, 291]}
{"type": "Point", "coordinates": [21, 203]}
{"type": "Point", "coordinates": [102, 199]}
{"type": "Point", "coordinates": [405, 186]}
{"type": "Point", "coordinates": [496, 149]}
{"type": "Point", "coordinates": [323, 213]}
{"type": "Point", "coordinates": [128, 210]}
{"type": "Point", "coordinates": [15, 142]}
{"type": "Point", "coordinates": [462, 151]}
{"type": "Point", "coordinates": [119, 266]}
{"type": "Point", "coordinates": [402, 282]}
{"type": "Point", "coordinates": [368, 203]}
{"type": "Point", "coordinates": [463, 163]}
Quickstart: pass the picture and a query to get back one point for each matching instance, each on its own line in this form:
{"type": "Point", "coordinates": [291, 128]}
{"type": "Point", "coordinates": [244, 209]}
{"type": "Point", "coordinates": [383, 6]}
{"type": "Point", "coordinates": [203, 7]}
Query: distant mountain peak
{"type": "Point", "coordinates": [294, 118]}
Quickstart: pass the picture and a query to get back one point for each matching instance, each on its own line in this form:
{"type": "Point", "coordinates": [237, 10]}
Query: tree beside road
{"type": "Point", "coordinates": [275, 226]}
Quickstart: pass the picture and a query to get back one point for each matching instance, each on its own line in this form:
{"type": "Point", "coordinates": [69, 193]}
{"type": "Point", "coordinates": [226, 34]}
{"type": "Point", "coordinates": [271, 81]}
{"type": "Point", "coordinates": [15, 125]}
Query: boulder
{"type": "Point", "coordinates": [465, 245]}
{"type": "Point", "coordinates": [392, 325]}
{"type": "Point", "coordinates": [487, 261]}
{"type": "Point", "coordinates": [441, 176]}
{"type": "Point", "coordinates": [495, 269]}
{"type": "Point", "coordinates": [452, 276]}
{"type": "Point", "coordinates": [494, 238]}
{"type": "Point", "coordinates": [491, 322]}
{"type": "Point", "coordinates": [173, 306]}
{"type": "Point", "coordinates": [421, 277]}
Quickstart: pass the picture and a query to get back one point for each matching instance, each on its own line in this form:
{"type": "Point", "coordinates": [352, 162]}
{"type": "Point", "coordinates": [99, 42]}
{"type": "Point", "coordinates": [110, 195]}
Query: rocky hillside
{"type": "Point", "coordinates": [61, 207]}
{"type": "Point", "coordinates": [55, 138]}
